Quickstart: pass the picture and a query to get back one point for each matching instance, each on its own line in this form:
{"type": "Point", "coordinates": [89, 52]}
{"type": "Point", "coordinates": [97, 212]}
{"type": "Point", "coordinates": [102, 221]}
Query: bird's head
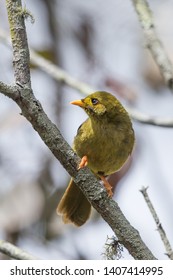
{"type": "Point", "coordinates": [99, 104]}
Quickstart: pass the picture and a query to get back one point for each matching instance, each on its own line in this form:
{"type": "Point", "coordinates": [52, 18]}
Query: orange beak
{"type": "Point", "coordinates": [78, 103]}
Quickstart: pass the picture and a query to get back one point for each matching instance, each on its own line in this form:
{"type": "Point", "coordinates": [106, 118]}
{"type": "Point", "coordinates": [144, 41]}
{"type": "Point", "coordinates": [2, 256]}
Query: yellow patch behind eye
{"type": "Point", "coordinates": [100, 109]}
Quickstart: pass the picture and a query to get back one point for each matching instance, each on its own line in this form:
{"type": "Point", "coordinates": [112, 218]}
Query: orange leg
{"type": "Point", "coordinates": [83, 163]}
{"type": "Point", "coordinates": [108, 187]}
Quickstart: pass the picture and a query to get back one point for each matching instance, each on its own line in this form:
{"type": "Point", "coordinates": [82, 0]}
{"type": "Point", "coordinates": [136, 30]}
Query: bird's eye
{"type": "Point", "coordinates": [94, 101]}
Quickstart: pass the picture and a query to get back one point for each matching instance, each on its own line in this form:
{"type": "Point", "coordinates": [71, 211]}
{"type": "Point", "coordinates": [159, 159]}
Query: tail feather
{"type": "Point", "coordinates": [74, 207]}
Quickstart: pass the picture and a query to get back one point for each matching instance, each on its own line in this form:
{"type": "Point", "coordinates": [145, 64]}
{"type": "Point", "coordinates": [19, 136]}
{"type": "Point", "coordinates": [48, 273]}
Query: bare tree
{"type": "Point", "coordinates": [22, 94]}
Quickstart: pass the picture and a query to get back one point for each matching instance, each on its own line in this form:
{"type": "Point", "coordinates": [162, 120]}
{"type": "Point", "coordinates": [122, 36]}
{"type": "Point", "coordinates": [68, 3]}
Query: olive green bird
{"type": "Point", "coordinates": [103, 142]}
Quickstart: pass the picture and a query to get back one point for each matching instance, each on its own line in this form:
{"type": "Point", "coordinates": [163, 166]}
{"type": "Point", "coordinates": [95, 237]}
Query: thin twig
{"type": "Point", "coordinates": [62, 76]}
{"type": "Point", "coordinates": [161, 231]}
{"type": "Point", "coordinates": [14, 251]}
{"type": "Point", "coordinates": [146, 119]}
{"type": "Point", "coordinates": [153, 42]}
{"type": "Point", "coordinates": [51, 69]}
{"type": "Point", "coordinates": [58, 74]}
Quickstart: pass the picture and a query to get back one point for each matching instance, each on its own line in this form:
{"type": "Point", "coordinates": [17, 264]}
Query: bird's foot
{"type": "Point", "coordinates": [108, 187]}
{"type": "Point", "coordinates": [83, 163]}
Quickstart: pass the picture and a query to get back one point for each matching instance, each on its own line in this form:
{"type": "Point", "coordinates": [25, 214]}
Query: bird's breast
{"type": "Point", "coordinates": [107, 148]}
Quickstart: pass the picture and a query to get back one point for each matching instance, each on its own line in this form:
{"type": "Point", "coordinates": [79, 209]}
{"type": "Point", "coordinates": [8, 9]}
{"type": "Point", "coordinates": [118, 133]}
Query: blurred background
{"type": "Point", "coordinates": [100, 43]}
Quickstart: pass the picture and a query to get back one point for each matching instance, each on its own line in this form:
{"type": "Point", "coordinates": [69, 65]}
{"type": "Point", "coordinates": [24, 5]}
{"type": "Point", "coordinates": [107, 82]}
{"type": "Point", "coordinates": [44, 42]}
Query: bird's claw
{"type": "Point", "coordinates": [107, 186]}
{"type": "Point", "coordinates": [83, 163]}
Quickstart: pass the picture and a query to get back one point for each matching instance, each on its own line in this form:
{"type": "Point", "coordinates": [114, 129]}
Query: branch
{"type": "Point", "coordinates": [158, 223]}
{"type": "Point", "coordinates": [14, 252]}
{"type": "Point", "coordinates": [21, 60]}
{"type": "Point", "coordinates": [153, 42]}
{"type": "Point", "coordinates": [10, 91]}
{"type": "Point", "coordinates": [87, 182]}
{"type": "Point", "coordinates": [58, 74]}
{"type": "Point", "coordinates": [51, 69]}
{"type": "Point", "coordinates": [146, 119]}
{"type": "Point", "coordinates": [62, 76]}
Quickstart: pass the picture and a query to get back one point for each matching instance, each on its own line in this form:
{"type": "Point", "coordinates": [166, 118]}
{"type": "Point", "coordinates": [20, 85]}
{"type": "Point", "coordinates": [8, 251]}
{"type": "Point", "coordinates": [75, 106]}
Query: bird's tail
{"type": "Point", "coordinates": [73, 206]}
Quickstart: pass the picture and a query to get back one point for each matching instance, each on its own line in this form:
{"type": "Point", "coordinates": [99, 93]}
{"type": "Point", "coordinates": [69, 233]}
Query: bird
{"type": "Point", "coordinates": [103, 142]}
